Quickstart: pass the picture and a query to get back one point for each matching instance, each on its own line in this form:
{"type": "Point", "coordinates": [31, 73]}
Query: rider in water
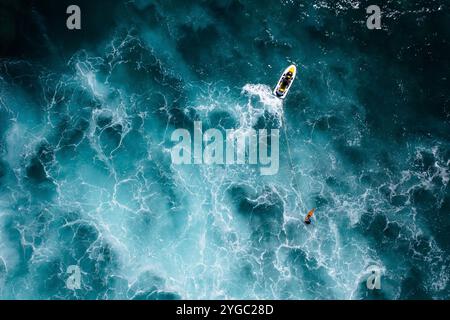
{"type": "Point", "coordinates": [309, 215]}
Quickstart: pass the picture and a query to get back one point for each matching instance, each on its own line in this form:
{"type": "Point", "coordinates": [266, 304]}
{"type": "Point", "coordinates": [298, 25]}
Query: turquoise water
{"type": "Point", "coordinates": [86, 177]}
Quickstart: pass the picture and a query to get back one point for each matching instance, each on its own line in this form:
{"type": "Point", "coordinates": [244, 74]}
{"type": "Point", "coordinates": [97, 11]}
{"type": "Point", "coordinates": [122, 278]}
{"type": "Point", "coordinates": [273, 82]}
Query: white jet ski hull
{"type": "Point", "coordinates": [282, 89]}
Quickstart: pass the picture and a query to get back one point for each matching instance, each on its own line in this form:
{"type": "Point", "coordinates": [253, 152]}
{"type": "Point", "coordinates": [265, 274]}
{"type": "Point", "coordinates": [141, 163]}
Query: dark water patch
{"type": "Point", "coordinates": [195, 46]}
{"type": "Point", "coordinates": [385, 157]}
{"type": "Point", "coordinates": [3, 169]}
{"type": "Point", "coordinates": [238, 196]}
{"type": "Point", "coordinates": [410, 94]}
{"type": "Point", "coordinates": [353, 157]}
{"type": "Point", "coordinates": [337, 184]}
{"type": "Point", "coordinates": [22, 81]}
{"type": "Point", "coordinates": [412, 287]}
{"type": "Point", "coordinates": [374, 179]}
{"type": "Point", "coordinates": [423, 199]}
{"type": "Point", "coordinates": [422, 48]}
{"type": "Point", "coordinates": [373, 225]}
{"type": "Point", "coordinates": [327, 123]}
{"type": "Point", "coordinates": [16, 17]}
{"type": "Point", "coordinates": [392, 231]}
{"type": "Point", "coordinates": [49, 19]}
{"type": "Point", "coordinates": [104, 118]}
{"type": "Point", "coordinates": [5, 122]}
{"type": "Point", "coordinates": [391, 240]}
{"type": "Point", "coordinates": [37, 182]}
{"type": "Point", "coordinates": [266, 45]}
{"type": "Point", "coordinates": [148, 13]}
{"type": "Point", "coordinates": [438, 220]}
{"type": "Point", "coordinates": [36, 171]}
{"type": "Point", "coordinates": [231, 14]}
{"type": "Point", "coordinates": [178, 118]}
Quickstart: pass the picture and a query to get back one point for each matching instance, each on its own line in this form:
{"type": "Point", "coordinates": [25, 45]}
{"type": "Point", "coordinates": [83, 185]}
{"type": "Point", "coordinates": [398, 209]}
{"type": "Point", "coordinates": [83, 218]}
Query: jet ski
{"type": "Point", "coordinates": [285, 82]}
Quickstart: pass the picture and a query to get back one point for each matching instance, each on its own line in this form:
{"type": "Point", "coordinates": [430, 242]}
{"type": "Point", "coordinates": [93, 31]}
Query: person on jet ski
{"type": "Point", "coordinates": [287, 79]}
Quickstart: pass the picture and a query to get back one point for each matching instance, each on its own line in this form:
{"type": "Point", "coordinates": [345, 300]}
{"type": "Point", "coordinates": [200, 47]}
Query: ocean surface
{"type": "Point", "coordinates": [86, 177]}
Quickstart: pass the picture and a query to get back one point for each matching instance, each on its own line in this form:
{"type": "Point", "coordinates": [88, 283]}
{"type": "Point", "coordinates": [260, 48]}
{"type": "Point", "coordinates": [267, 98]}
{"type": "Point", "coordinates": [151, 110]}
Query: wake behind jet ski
{"type": "Point", "coordinates": [285, 82]}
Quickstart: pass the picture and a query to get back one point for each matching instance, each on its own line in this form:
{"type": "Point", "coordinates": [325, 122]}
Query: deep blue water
{"type": "Point", "coordinates": [86, 177]}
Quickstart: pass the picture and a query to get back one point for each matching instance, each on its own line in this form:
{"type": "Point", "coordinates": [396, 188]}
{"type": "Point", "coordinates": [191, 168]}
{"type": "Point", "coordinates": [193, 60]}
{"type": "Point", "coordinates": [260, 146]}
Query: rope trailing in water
{"type": "Point", "coordinates": [296, 184]}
